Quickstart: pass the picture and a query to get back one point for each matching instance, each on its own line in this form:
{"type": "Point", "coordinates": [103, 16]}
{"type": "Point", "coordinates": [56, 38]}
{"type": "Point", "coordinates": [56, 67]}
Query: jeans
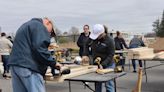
{"type": "Point", "coordinates": [5, 59]}
{"type": "Point", "coordinates": [25, 80]}
{"type": "Point", "coordinates": [108, 85]}
{"type": "Point", "coordinates": [134, 64]}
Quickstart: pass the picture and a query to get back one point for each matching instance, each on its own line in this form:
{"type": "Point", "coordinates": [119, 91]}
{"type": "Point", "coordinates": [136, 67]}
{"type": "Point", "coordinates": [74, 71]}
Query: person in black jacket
{"type": "Point", "coordinates": [120, 45]}
{"type": "Point", "coordinates": [84, 36]}
{"type": "Point", "coordinates": [30, 56]}
{"type": "Point", "coordinates": [103, 47]}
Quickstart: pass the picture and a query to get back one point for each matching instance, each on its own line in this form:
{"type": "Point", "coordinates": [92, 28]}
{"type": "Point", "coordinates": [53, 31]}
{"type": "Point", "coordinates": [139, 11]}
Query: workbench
{"type": "Point", "coordinates": [95, 78]}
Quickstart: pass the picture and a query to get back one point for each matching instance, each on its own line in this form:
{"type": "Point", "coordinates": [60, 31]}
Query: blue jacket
{"type": "Point", "coordinates": [136, 42]}
{"type": "Point", "coordinates": [30, 47]}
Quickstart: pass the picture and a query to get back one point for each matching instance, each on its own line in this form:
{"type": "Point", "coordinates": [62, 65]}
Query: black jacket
{"type": "Point", "coordinates": [103, 48]}
{"type": "Point", "coordinates": [120, 43]}
{"type": "Point", "coordinates": [81, 42]}
{"type": "Point", "coordinates": [30, 47]}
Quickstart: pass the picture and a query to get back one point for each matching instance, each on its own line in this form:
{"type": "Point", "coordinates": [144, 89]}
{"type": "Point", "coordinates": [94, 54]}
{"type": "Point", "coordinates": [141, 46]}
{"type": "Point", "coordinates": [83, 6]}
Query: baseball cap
{"type": "Point", "coordinates": [52, 23]}
{"type": "Point", "coordinates": [53, 31]}
{"type": "Point", "coordinates": [97, 30]}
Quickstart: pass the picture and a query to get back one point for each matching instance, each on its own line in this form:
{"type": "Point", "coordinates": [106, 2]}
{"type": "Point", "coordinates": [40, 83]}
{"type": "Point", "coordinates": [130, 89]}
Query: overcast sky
{"type": "Point", "coordinates": [123, 15]}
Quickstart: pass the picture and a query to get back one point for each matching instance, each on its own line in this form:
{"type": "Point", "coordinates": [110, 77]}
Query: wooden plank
{"type": "Point", "coordinates": [139, 53]}
{"type": "Point", "coordinates": [104, 71]}
{"type": "Point", "coordinates": [74, 72]}
{"type": "Point", "coordinates": [139, 82]}
{"type": "Point", "coordinates": [159, 55]}
{"type": "Point", "coordinates": [144, 53]}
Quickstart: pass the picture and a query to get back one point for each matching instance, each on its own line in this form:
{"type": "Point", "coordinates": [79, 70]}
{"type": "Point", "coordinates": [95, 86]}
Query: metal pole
{"type": "Point", "coordinates": [115, 86]}
{"type": "Point", "coordinates": [69, 86]}
{"type": "Point", "coordinates": [145, 70]}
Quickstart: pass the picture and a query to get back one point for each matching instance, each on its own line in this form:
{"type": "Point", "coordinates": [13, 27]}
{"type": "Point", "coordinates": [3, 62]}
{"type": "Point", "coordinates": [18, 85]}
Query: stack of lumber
{"type": "Point", "coordinates": [140, 53]}
{"type": "Point", "coordinates": [159, 55]}
{"type": "Point", "coordinates": [157, 45]}
{"type": "Point", "coordinates": [144, 53]}
{"type": "Point", "coordinates": [76, 70]}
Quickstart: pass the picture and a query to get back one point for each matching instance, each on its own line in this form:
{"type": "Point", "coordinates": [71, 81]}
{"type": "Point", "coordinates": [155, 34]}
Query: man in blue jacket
{"type": "Point", "coordinates": [30, 56]}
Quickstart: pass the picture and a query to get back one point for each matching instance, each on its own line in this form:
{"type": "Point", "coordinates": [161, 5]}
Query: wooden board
{"type": "Point", "coordinates": [104, 71]}
{"type": "Point", "coordinates": [139, 82]}
{"type": "Point", "coordinates": [159, 55]}
{"type": "Point", "coordinates": [144, 53]}
{"type": "Point", "coordinates": [74, 72]}
{"type": "Point", "coordinates": [139, 53]}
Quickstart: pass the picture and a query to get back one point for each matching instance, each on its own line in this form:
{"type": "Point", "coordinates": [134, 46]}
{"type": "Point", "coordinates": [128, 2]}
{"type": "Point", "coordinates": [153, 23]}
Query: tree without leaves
{"type": "Point", "coordinates": [65, 33]}
{"type": "Point", "coordinates": [150, 34]}
{"type": "Point", "coordinates": [58, 32]}
{"type": "Point", "coordinates": [74, 31]}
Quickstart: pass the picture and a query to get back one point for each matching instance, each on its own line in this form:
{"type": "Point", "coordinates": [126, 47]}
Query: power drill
{"type": "Point", "coordinates": [97, 61]}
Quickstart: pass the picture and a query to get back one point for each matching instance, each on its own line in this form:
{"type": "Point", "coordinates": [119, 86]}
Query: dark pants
{"type": "Point", "coordinates": [134, 64]}
{"type": "Point", "coordinates": [5, 59]}
{"type": "Point", "coordinates": [122, 61]}
{"type": "Point", "coordinates": [53, 71]}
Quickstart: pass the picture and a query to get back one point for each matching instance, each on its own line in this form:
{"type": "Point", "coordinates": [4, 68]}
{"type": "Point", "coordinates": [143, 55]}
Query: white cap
{"type": "Point", "coordinates": [97, 30]}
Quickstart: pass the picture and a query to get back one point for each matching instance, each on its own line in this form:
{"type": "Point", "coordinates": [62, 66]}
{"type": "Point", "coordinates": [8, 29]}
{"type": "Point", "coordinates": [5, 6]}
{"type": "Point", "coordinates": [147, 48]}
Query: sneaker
{"type": "Point", "coordinates": [8, 75]}
{"type": "Point", "coordinates": [7, 78]}
{"type": "Point", "coordinates": [134, 71]}
{"type": "Point", "coordinates": [4, 75]}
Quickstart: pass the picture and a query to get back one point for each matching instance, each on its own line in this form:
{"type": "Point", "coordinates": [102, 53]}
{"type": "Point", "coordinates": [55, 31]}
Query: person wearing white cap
{"type": "Point", "coordinates": [102, 46]}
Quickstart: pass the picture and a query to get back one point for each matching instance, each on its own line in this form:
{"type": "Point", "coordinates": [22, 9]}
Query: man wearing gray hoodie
{"type": "Point", "coordinates": [135, 43]}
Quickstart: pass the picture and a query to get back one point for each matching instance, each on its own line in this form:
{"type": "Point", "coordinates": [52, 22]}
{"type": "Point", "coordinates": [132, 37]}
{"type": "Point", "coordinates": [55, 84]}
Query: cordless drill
{"type": "Point", "coordinates": [97, 61]}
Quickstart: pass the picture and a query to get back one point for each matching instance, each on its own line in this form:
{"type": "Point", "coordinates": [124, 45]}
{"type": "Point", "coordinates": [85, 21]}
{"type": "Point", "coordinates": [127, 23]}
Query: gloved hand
{"type": "Point", "coordinates": [58, 66]}
{"type": "Point", "coordinates": [85, 60]}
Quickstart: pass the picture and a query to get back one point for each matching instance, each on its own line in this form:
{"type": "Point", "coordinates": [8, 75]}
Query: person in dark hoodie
{"type": "Point", "coordinates": [30, 56]}
{"type": "Point", "coordinates": [102, 47]}
{"type": "Point", "coordinates": [120, 44]}
{"type": "Point", "coordinates": [84, 36]}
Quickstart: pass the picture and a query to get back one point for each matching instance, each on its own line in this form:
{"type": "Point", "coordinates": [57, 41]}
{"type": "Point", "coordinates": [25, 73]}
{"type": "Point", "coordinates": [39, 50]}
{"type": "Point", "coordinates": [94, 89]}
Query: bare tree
{"type": "Point", "coordinates": [74, 31]}
{"type": "Point", "coordinates": [58, 32]}
{"type": "Point", "coordinates": [65, 33]}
